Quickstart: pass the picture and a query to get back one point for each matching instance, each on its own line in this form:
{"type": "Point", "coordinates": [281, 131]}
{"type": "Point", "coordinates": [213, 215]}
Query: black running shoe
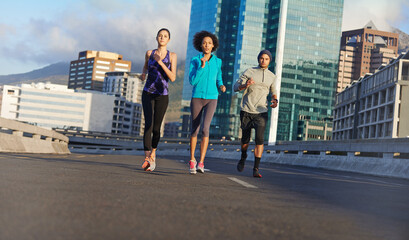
{"type": "Point", "coordinates": [240, 165]}
{"type": "Point", "coordinates": [256, 174]}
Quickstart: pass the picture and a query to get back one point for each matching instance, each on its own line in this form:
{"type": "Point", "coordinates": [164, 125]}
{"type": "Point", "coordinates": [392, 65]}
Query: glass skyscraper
{"type": "Point", "coordinates": [303, 37]}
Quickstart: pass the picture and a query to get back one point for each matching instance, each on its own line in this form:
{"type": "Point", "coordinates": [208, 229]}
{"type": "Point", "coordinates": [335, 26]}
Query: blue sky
{"type": "Point", "coordinates": [34, 34]}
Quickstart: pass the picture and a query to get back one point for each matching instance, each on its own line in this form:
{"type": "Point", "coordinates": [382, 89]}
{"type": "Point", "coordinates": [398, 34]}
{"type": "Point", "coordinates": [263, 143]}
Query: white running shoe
{"type": "Point", "coordinates": [152, 164]}
{"type": "Point", "coordinates": [192, 166]}
{"type": "Point", "coordinates": [200, 167]}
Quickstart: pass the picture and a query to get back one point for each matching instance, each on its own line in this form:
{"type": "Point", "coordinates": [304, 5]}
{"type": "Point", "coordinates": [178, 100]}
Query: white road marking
{"type": "Point", "coordinates": [339, 175]}
{"type": "Point", "coordinates": [247, 185]}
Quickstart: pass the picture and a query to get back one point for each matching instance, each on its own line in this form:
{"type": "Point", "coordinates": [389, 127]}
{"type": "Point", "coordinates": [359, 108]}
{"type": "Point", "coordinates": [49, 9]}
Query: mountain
{"type": "Point", "coordinates": [403, 40]}
{"type": "Point", "coordinates": [54, 73]}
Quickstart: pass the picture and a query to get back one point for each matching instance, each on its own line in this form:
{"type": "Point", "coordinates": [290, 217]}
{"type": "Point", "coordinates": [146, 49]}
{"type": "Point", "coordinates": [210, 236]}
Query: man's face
{"type": "Point", "coordinates": [264, 61]}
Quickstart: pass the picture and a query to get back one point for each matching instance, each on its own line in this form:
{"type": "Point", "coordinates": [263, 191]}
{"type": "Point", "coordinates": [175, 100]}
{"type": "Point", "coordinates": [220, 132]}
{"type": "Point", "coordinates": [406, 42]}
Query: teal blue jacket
{"type": "Point", "coordinates": [205, 81]}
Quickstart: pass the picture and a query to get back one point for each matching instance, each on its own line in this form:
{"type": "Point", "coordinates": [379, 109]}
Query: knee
{"type": "Point", "coordinates": [259, 139]}
{"type": "Point", "coordinates": [156, 131]}
{"type": "Point", "coordinates": [194, 132]}
{"type": "Point", "coordinates": [205, 132]}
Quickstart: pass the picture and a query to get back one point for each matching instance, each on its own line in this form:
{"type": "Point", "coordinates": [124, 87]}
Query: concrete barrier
{"type": "Point", "coordinates": [381, 157]}
{"type": "Point", "coordinates": [18, 137]}
{"type": "Point", "coordinates": [387, 158]}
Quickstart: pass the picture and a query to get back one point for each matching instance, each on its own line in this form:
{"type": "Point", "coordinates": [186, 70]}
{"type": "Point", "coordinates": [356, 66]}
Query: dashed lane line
{"type": "Point", "coordinates": [247, 185]}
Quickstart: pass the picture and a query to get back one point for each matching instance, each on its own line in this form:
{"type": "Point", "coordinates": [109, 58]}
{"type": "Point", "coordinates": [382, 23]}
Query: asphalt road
{"type": "Point", "coordinates": [109, 197]}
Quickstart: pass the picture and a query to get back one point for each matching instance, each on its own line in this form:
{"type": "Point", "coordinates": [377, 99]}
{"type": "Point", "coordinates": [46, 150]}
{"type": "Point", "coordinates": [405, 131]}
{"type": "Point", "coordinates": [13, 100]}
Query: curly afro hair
{"type": "Point", "coordinates": [198, 39]}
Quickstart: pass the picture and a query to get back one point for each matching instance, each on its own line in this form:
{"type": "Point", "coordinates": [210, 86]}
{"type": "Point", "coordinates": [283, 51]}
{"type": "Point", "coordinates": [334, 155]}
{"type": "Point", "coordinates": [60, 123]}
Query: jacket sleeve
{"type": "Point", "coordinates": [195, 72]}
{"type": "Point", "coordinates": [219, 80]}
{"type": "Point", "coordinates": [242, 80]}
{"type": "Point", "coordinates": [273, 89]}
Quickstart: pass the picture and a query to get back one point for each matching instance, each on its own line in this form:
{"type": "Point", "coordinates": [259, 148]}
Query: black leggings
{"type": "Point", "coordinates": [154, 108]}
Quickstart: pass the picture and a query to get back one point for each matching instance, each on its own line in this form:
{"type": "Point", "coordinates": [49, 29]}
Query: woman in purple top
{"type": "Point", "coordinates": [160, 65]}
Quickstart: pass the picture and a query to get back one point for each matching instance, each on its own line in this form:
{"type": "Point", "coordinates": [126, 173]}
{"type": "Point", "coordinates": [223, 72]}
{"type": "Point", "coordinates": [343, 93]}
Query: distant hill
{"type": "Point", "coordinates": [54, 73]}
{"type": "Point", "coordinates": [403, 40]}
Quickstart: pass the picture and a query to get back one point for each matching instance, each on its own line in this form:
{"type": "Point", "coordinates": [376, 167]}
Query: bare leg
{"type": "Point", "coordinates": [153, 154]}
{"type": "Point", "coordinates": [258, 151]}
{"type": "Point", "coordinates": [147, 154]}
{"type": "Point", "coordinates": [193, 142]}
{"type": "Point", "coordinates": [203, 148]}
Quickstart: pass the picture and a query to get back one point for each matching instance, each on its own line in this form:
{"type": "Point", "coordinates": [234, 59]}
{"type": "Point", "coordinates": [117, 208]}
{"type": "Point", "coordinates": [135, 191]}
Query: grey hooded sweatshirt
{"type": "Point", "coordinates": [255, 96]}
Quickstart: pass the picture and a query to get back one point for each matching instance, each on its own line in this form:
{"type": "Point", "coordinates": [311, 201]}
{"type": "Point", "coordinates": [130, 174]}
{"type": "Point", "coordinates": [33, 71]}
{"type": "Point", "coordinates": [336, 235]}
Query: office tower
{"type": "Point", "coordinates": [303, 37]}
{"type": "Point", "coordinates": [56, 106]}
{"type": "Point", "coordinates": [88, 72]}
{"type": "Point", "coordinates": [363, 51]}
{"type": "Point", "coordinates": [203, 16]}
{"type": "Point", "coordinates": [375, 106]}
{"type": "Point", "coordinates": [127, 88]}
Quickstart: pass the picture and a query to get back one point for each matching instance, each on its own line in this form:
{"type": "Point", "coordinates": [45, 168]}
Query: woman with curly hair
{"type": "Point", "coordinates": [205, 75]}
{"type": "Point", "coordinates": [160, 64]}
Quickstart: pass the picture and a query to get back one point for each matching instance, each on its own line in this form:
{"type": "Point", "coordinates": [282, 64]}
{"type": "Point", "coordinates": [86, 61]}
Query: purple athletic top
{"type": "Point", "coordinates": [157, 82]}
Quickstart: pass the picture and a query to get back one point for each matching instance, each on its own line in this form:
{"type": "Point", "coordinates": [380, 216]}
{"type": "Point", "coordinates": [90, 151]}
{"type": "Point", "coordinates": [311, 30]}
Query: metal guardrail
{"type": "Point", "coordinates": [369, 147]}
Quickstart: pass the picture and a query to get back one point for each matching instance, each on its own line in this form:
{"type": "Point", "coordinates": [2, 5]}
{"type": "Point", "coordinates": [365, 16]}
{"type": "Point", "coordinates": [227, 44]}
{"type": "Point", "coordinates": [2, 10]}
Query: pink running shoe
{"type": "Point", "coordinates": [200, 167]}
{"type": "Point", "coordinates": [192, 166]}
{"type": "Point", "coordinates": [145, 164]}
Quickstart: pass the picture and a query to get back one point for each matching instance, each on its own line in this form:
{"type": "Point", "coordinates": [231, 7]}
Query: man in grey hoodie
{"type": "Point", "coordinates": [257, 83]}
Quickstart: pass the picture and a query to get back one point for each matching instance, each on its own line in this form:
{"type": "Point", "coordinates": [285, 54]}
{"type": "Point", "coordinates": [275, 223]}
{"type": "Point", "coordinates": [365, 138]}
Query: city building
{"type": "Point", "coordinates": [375, 106]}
{"type": "Point", "coordinates": [303, 37]}
{"type": "Point", "coordinates": [88, 71]}
{"type": "Point", "coordinates": [172, 129]}
{"type": "Point", "coordinates": [127, 88]}
{"type": "Point", "coordinates": [55, 106]}
{"type": "Point", "coordinates": [363, 51]}
{"type": "Point", "coordinates": [315, 129]}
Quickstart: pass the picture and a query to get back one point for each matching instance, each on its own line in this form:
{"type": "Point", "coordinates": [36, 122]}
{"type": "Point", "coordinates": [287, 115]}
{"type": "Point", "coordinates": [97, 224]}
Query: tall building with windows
{"type": "Point", "coordinates": [303, 37]}
{"type": "Point", "coordinates": [363, 51]}
{"type": "Point", "coordinates": [127, 88]}
{"type": "Point", "coordinates": [375, 106]}
{"type": "Point", "coordinates": [88, 71]}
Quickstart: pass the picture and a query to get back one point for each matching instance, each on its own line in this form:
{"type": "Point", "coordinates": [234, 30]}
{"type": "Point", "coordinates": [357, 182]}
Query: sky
{"type": "Point", "coordinates": [34, 34]}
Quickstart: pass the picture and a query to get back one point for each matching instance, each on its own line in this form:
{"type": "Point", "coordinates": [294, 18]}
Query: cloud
{"type": "Point", "coordinates": [128, 28]}
{"type": "Point", "coordinates": [6, 31]}
{"type": "Point", "coordinates": [383, 13]}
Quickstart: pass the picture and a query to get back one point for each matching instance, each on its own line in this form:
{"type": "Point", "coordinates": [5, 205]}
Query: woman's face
{"type": "Point", "coordinates": [163, 38]}
{"type": "Point", "coordinates": [207, 45]}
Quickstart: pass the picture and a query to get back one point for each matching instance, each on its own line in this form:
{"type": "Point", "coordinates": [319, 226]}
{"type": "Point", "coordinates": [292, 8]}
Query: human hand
{"type": "Point", "coordinates": [249, 82]}
{"type": "Point", "coordinates": [274, 103]}
{"type": "Point", "coordinates": [143, 76]}
{"type": "Point", "coordinates": [204, 59]}
{"type": "Point", "coordinates": [222, 88]}
{"type": "Point", "coordinates": [156, 56]}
